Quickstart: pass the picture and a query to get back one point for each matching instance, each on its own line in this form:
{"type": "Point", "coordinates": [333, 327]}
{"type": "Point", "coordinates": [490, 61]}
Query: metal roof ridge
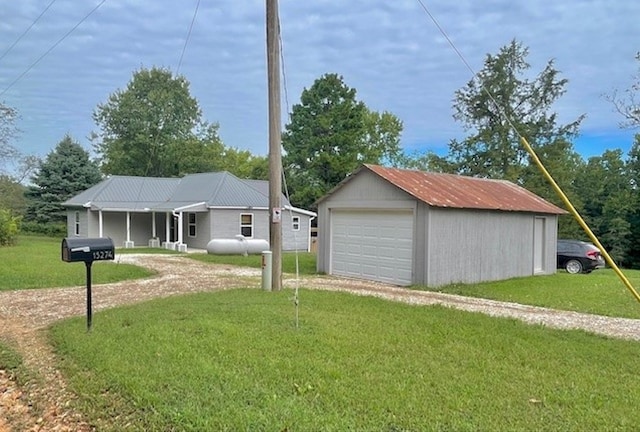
{"type": "Point", "coordinates": [217, 190]}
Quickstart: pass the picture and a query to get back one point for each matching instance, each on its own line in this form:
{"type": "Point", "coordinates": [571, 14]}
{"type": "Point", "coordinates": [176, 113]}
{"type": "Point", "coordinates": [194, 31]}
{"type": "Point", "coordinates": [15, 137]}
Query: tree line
{"type": "Point", "coordinates": [154, 127]}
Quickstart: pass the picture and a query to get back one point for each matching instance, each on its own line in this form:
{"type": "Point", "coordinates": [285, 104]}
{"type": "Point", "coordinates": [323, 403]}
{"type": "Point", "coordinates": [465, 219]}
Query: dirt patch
{"type": "Point", "coordinates": [46, 404]}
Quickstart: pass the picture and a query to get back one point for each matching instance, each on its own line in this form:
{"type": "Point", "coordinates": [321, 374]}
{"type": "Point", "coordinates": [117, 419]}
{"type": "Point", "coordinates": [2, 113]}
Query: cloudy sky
{"type": "Point", "coordinates": [390, 51]}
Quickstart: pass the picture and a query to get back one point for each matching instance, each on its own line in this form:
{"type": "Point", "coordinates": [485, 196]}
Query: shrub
{"type": "Point", "coordinates": [9, 228]}
{"type": "Point", "coordinates": [52, 229]}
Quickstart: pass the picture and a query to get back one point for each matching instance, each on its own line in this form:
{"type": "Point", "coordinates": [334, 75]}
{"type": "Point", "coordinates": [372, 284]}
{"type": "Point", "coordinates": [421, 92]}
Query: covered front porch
{"type": "Point", "coordinates": [166, 228]}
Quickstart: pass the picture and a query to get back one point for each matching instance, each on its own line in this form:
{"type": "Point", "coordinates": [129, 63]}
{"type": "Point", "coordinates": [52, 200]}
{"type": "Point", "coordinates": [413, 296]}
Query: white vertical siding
{"type": "Point", "coordinates": [473, 246]}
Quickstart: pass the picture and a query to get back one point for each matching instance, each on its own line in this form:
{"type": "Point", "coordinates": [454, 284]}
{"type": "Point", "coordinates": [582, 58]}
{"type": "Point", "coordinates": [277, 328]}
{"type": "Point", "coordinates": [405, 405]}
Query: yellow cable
{"type": "Point", "coordinates": [578, 218]}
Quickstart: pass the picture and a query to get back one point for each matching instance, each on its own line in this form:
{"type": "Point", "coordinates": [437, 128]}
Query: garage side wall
{"type": "Point", "coordinates": [365, 191]}
{"type": "Point", "coordinates": [469, 246]}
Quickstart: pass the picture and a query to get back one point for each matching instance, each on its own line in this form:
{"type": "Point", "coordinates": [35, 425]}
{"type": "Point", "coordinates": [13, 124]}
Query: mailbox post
{"type": "Point", "coordinates": [87, 250]}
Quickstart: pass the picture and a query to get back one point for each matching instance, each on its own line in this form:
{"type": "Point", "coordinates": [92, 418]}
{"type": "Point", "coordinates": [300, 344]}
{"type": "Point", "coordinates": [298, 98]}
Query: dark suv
{"type": "Point", "coordinates": [576, 256]}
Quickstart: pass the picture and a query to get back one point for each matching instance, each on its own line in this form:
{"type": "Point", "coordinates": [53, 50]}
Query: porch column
{"type": "Point", "coordinates": [100, 231]}
{"type": "Point", "coordinates": [128, 243]}
{"type": "Point", "coordinates": [154, 242]}
{"type": "Point", "coordinates": [168, 218]}
{"type": "Point", "coordinates": [181, 247]}
{"type": "Point", "coordinates": [180, 228]}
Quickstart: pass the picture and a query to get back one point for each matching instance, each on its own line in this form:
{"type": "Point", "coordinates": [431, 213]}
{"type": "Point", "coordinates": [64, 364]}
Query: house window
{"type": "Point", "coordinates": [295, 222]}
{"type": "Point", "coordinates": [191, 217]}
{"type": "Point", "coordinates": [246, 224]}
{"type": "Point", "coordinates": [77, 223]}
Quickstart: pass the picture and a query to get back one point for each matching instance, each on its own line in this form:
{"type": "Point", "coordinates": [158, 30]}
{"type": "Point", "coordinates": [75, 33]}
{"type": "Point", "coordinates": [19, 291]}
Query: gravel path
{"type": "Point", "coordinates": [44, 404]}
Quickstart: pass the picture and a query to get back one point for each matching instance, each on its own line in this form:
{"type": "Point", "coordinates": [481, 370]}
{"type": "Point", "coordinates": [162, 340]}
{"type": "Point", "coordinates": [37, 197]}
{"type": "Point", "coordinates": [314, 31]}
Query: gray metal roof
{"type": "Point", "coordinates": [195, 192]}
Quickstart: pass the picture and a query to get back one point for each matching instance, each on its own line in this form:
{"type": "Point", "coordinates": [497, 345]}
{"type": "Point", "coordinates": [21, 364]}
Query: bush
{"type": "Point", "coordinates": [9, 228]}
{"type": "Point", "coordinates": [52, 229]}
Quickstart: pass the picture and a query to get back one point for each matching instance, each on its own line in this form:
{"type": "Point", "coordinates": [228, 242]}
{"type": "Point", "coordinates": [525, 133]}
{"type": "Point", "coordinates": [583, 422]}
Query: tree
{"type": "Point", "coordinates": [65, 172]}
{"type": "Point", "coordinates": [12, 195]}
{"type": "Point", "coordinates": [628, 105]}
{"type": "Point", "coordinates": [500, 102]}
{"type": "Point", "coordinates": [8, 131]}
{"type": "Point", "coordinates": [148, 129]}
{"type": "Point", "coordinates": [606, 192]}
{"type": "Point", "coordinates": [330, 134]}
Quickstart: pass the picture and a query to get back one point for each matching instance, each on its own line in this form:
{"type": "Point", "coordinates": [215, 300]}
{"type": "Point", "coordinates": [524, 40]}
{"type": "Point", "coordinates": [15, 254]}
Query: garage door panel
{"type": "Point", "coordinates": [373, 245]}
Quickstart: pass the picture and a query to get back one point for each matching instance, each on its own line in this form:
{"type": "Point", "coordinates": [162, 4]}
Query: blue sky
{"type": "Point", "coordinates": [390, 51]}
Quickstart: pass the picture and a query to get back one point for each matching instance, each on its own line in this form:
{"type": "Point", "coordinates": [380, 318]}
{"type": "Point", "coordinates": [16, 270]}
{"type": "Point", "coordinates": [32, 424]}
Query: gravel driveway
{"type": "Point", "coordinates": [25, 314]}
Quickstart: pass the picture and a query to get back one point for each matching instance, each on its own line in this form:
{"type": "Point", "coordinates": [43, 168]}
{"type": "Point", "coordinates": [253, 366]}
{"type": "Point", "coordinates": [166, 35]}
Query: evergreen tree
{"type": "Point", "coordinates": [66, 171]}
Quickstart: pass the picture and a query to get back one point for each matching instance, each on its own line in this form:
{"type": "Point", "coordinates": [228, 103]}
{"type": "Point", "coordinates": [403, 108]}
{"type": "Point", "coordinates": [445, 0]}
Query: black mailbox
{"type": "Point", "coordinates": [87, 250]}
{"type": "Point", "coordinates": [78, 249]}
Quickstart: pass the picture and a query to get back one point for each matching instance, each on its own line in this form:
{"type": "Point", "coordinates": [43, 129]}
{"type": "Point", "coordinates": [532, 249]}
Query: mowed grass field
{"type": "Point", "coordinates": [235, 360]}
{"type": "Point", "coordinates": [36, 262]}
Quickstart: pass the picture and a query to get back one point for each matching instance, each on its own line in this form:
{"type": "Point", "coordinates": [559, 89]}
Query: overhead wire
{"type": "Point", "coordinates": [537, 161]}
{"type": "Point", "coordinates": [27, 30]}
{"type": "Point", "coordinates": [186, 41]}
{"type": "Point", "coordinates": [58, 42]}
{"type": "Point", "coordinates": [296, 292]}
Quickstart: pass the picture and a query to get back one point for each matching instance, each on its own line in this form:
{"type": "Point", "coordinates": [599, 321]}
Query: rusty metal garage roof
{"type": "Point", "coordinates": [454, 191]}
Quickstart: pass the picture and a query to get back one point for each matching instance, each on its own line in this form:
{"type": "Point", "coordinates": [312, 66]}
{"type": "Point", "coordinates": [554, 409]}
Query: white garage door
{"type": "Point", "coordinates": [372, 245]}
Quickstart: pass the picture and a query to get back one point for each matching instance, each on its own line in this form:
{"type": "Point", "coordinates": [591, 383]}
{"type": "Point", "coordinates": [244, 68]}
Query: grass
{"type": "Point", "coordinates": [600, 292]}
{"type": "Point", "coordinates": [234, 360]}
{"type": "Point", "coordinates": [35, 262]}
{"type": "Point", "coordinates": [9, 359]}
{"type": "Point", "coordinates": [306, 261]}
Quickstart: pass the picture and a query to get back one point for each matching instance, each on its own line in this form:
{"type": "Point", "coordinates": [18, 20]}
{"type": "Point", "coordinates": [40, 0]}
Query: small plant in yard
{"type": "Point", "coordinates": [9, 228]}
{"type": "Point", "coordinates": [234, 360]}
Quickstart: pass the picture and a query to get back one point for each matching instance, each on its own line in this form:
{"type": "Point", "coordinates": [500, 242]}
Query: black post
{"type": "Point", "coordinates": [88, 264]}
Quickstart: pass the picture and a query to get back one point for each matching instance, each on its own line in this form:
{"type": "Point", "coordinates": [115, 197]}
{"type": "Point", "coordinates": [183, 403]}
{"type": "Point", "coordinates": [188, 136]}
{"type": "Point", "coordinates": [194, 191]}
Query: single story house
{"type": "Point", "coordinates": [411, 227]}
{"type": "Point", "coordinates": [181, 213]}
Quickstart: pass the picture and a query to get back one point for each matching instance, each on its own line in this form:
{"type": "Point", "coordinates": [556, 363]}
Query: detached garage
{"type": "Point", "coordinates": [411, 227]}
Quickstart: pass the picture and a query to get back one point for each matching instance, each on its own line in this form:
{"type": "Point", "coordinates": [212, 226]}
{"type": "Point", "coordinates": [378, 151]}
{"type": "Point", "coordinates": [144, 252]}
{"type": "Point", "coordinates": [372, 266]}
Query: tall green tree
{"type": "Point", "coordinates": [501, 101]}
{"type": "Point", "coordinates": [330, 134]}
{"type": "Point", "coordinates": [149, 128]}
{"type": "Point", "coordinates": [633, 169]}
{"type": "Point", "coordinates": [66, 171]}
{"type": "Point", "coordinates": [606, 192]}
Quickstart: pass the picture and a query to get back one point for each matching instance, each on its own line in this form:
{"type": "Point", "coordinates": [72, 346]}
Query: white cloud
{"type": "Point", "coordinates": [389, 51]}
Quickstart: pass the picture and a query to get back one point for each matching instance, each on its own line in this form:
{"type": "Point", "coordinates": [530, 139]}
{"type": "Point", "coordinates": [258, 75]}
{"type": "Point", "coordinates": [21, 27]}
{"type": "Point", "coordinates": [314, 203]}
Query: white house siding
{"type": "Point", "coordinates": [203, 230]}
{"type": "Point", "coordinates": [71, 222]}
{"type": "Point", "coordinates": [470, 246]}
{"type": "Point", "coordinates": [295, 240]}
{"type": "Point", "coordinates": [225, 223]}
{"type": "Point", "coordinates": [364, 192]}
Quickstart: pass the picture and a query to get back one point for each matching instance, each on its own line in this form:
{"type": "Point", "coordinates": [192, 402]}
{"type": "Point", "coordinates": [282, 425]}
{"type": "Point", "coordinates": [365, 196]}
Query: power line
{"type": "Point", "coordinates": [473, 73]}
{"type": "Point", "coordinates": [186, 42]}
{"type": "Point", "coordinates": [27, 30]}
{"type": "Point", "coordinates": [52, 47]}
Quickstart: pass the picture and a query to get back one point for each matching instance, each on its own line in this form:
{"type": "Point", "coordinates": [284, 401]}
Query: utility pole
{"type": "Point", "coordinates": [275, 152]}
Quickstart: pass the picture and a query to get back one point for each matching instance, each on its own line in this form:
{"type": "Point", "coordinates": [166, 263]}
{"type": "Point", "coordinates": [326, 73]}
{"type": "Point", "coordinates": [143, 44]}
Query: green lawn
{"type": "Point", "coordinates": [600, 292]}
{"type": "Point", "coordinates": [234, 360]}
{"type": "Point", "coordinates": [306, 261]}
{"type": "Point", "coordinates": [35, 262]}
